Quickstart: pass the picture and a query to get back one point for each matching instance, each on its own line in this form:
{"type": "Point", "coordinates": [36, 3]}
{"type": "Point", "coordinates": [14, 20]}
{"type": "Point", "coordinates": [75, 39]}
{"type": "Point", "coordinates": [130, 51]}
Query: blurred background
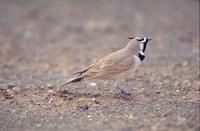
{"type": "Point", "coordinates": [44, 41]}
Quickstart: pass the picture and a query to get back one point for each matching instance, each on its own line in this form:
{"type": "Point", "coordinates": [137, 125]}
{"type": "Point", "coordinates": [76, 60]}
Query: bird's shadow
{"type": "Point", "coordinates": [67, 95]}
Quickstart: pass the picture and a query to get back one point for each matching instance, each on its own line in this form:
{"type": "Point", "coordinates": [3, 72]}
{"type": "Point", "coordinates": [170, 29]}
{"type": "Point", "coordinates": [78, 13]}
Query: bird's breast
{"type": "Point", "coordinates": [137, 61]}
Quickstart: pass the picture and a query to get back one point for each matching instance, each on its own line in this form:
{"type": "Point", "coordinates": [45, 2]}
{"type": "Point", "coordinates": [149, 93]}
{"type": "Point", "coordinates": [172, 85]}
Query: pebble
{"type": "Point", "coordinates": [141, 90]}
{"type": "Point", "coordinates": [130, 116]}
{"type": "Point", "coordinates": [177, 84]}
{"type": "Point", "coordinates": [97, 95]}
{"type": "Point", "coordinates": [17, 89]}
{"type": "Point", "coordinates": [95, 101]}
{"type": "Point", "coordinates": [11, 85]}
{"type": "Point", "coordinates": [84, 107]}
{"type": "Point", "coordinates": [39, 125]}
{"type": "Point", "coordinates": [158, 91]}
{"type": "Point", "coordinates": [9, 94]}
{"type": "Point", "coordinates": [51, 92]}
{"type": "Point", "coordinates": [50, 101]}
{"type": "Point", "coordinates": [93, 84]}
{"type": "Point", "coordinates": [50, 86]}
{"type": "Point", "coordinates": [29, 86]}
{"type": "Point", "coordinates": [42, 87]}
{"type": "Point", "coordinates": [70, 98]}
{"type": "Point", "coordinates": [184, 97]}
{"type": "Point", "coordinates": [89, 116]}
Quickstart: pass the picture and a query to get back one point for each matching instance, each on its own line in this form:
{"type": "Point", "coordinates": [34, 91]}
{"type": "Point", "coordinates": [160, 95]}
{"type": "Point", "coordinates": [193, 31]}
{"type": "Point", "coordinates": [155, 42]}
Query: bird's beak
{"type": "Point", "coordinates": [149, 39]}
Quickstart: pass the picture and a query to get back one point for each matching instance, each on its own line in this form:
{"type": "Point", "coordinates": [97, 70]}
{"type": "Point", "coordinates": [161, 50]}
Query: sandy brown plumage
{"type": "Point", "coordinates": [111, 66]}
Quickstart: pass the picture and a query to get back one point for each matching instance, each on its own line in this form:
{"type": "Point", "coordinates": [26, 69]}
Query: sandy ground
{"type": "Point", "coordinates": [42, 42]}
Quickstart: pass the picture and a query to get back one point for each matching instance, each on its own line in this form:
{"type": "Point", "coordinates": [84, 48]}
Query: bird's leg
{"type": "Point", "coordinates": [122, 93]}
{"type": "Point", "coordinates": [119, 90]}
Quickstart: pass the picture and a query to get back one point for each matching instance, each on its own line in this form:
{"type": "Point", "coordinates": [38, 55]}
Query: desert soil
{"type": "Point", "coordinates": [42, 42]}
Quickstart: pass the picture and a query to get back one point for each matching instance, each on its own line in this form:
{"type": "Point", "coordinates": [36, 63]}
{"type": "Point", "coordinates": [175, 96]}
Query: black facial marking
{"type": "Point", "coordinates": [141, 57]}
{"type": "Point", "coordinates": [145, 46]}
{"type": "Point", "coordinates": [131, 37]}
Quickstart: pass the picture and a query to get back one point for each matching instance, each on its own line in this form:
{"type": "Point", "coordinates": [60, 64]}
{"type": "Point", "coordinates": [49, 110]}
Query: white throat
{"type": "Point", "coordinates": [141, 46]}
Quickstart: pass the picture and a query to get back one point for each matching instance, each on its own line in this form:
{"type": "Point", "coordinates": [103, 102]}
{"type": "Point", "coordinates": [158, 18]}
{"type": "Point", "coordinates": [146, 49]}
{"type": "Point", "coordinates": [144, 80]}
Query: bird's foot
{"type": "Point", "coordinates": [122, 93]}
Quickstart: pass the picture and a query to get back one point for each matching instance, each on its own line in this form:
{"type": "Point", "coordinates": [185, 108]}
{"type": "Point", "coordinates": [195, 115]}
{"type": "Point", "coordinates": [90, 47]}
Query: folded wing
{"type": "Point", "coordinates": [110, 65]}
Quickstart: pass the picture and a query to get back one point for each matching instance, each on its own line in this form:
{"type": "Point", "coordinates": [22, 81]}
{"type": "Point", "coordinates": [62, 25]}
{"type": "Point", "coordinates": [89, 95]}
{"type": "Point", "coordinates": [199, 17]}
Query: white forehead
{"type": "Point", "coordinates": [138, 38]}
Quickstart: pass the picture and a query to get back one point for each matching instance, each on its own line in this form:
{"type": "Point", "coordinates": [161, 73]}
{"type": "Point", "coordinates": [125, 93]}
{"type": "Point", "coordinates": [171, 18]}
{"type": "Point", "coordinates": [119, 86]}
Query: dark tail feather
{"type": "Point", "coordinates": [73, 80]}
{"type": "Point", "coordinates": [83, 71]}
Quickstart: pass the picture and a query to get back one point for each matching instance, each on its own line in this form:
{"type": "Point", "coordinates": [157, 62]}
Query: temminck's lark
{"type": "Point", "coordinates": [115, 65]}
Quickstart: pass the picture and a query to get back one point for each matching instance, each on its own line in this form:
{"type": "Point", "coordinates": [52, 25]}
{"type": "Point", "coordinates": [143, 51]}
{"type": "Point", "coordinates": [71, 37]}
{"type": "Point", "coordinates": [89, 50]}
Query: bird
{"type": "Point", "coordinates": [116, 65]}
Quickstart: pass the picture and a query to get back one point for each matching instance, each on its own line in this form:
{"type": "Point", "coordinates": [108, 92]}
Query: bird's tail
{"type": "Point", "coordinates": [73, 80]}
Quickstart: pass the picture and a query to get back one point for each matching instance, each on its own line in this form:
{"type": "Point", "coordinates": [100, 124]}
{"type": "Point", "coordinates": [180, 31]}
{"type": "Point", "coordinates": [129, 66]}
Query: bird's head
{"type": "Point", "coordinates": [138, 43]}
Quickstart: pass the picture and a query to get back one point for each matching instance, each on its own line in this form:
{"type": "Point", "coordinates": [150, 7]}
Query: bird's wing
{"type": "Point", "coordinates": [104, 61]}
{"type": "Point", "coordinates": [112, 64]}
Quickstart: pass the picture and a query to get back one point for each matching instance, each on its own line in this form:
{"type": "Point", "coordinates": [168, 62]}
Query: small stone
{"type": "Point", "coordinates": [38, 125]}
{"type": "Point", "coordinates": [42, 87]}
{"type": "Point", "coordinates": [51, 92]}
{"type": "Point", "coordinates": [11, 85]}
{"type": "Point", "coordinates": [50, 101]}
{"type": "Point", "coordinates": [29, 86]}
{"type": "Point", "coordinates": [177, 91]}
{"type": "Point", "coordinates": [70, 98]}
{"type": "Point", "coordinates": [89, 116]}
{"type": "Point", "coordinates": [50, 86]}
{"type": "Point", "coordinates": [96, 102]}
{"type": "Point", "coordinates": [141, 90]}
{"type": "Point", "coordinates": [9, 94]}
{"type": "Point", "coordinates": [158, 92]}
{"type": "Point", "coordinates": [93, 84]}
{"type": "Point", "coordinates": [130, 116]}
{"type": "Point", "coordinates": [97, 95]}
{"type": "Point", "coordinates": [184, 97]}
{"type": "Point", "coordinates": [17, 89]}
{"type": "Point", "coordinates": [84, 107]}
